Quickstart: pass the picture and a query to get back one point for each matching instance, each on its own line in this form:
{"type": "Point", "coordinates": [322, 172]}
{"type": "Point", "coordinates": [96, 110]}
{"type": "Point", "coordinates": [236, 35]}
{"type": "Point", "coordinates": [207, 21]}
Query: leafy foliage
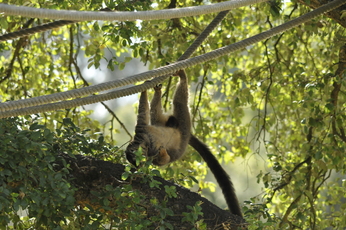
{"type": "Point", "coordinates": [193, 216]}
{"type": "Point", "coordinates": [34, 193]}
{"type": "Point", "coordinates": [28, 179]}
{"type": "Point", "coordinates": [280, 102]}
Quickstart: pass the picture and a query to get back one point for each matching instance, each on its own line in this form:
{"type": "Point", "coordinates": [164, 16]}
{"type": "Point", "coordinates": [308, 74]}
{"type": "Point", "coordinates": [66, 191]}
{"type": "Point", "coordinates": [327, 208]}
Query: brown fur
{"type": "Point", "coordinates": [163, 144]}
{"type": "Point", "coordinates": [164, 138]}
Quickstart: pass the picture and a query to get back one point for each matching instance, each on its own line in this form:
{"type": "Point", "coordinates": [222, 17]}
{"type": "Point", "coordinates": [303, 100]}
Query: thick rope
{"type": "Point", "coordinates": [117, 83]}
{"type": "Point", "coordinates": [190, 50]}
{"type": "Point", "coordinates": [205, 33]}
{"type": "Point", "coordinates": [170, 68]}
{"type": "Point", "coordinates": [121, 15]}
{"type": "Point", "coordinates": [36, 29]}
{"type": "Point", "coordinates": [176, 66]}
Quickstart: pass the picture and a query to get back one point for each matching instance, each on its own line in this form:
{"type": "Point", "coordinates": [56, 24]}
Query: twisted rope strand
{"type": "Point", "coordinates": [205, 33]}
{"type": "Point", "coordinates": [179, 65]}
{"type": "Point", "coordinates": [121, 15]}
{"type": "Point", "coordinates": [128, 91]}
{"type": "Point", "coordinates": [36, 29]}
{"type": "Point", "coordinates": [116, 83]}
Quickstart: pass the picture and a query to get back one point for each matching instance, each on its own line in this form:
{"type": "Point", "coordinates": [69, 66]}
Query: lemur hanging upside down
{"type": "Point", "coordinates": [164, 138]}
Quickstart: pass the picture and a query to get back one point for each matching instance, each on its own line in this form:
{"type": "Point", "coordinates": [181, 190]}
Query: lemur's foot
{"type": "Point", "coordinates": [146, 82]}
{"type": "Point", "coordinates": [158, 87]}
{"type": "Point", "coordinates": [179, 72]}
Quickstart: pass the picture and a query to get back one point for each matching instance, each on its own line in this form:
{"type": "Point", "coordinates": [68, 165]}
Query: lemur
{"type": "Point", "coordinates": [165, 137]}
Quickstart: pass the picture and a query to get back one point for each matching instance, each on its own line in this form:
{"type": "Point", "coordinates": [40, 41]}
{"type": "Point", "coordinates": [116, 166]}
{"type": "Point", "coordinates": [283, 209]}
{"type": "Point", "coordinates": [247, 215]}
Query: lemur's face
{"type": "Point", "coordinates": [130, 152]}
{"type": "Point", "coordinates": [133, 147]}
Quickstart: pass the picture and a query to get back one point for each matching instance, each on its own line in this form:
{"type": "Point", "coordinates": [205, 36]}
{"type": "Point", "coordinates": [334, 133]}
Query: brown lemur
{"type": "Point", "coordinates": [164, 138]}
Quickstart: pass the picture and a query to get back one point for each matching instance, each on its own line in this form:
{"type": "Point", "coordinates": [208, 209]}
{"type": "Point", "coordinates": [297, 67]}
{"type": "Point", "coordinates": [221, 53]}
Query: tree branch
{"type": "Point", "coordinates": [334, 14]}
{"type": "Point", "coordinates": [20, 44]}
{"type": "Point", "coordinates": [334, 96]}
{"type": "Point", "coordinates": [90, 175]}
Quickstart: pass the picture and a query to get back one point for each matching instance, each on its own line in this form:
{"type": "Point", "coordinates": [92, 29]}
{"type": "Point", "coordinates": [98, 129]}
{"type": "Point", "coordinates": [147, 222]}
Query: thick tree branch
{"type": "Point", "coordinates": [334, 14]}
{"type": "Point", "coordinates": [334, 96]}
{"type": "Point", "coordinates": [90, 175]}
{"type": "Point", "coordinates": [20, 44]}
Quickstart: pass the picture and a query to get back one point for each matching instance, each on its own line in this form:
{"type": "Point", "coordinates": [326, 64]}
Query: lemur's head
{"type": "Point", "coordinates": [132, 148]}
